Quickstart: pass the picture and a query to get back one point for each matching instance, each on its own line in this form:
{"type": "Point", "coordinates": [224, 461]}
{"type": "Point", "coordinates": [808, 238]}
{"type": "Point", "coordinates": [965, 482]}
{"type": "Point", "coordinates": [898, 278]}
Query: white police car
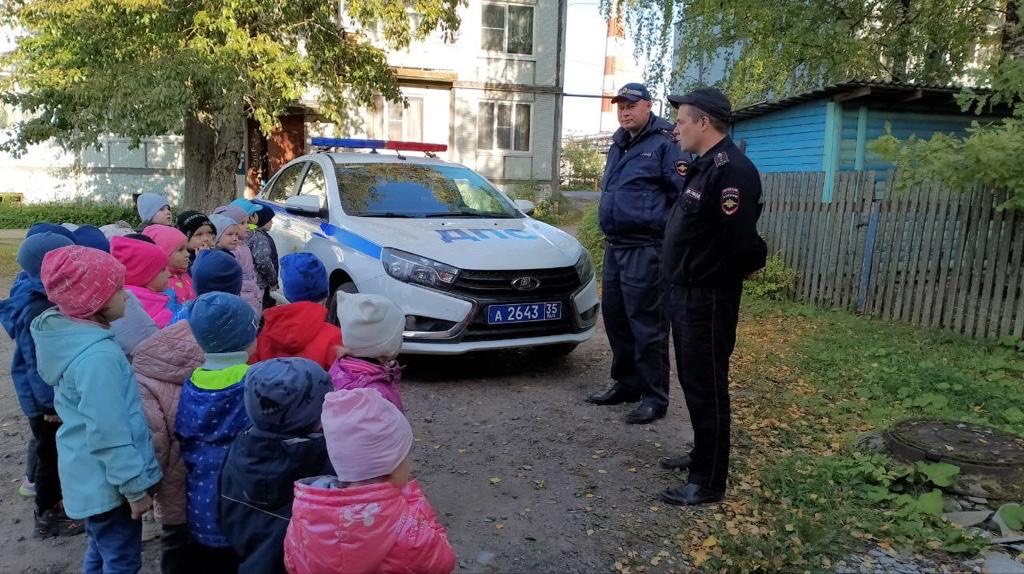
{"type": "Point", "coordinates": [468, 266]}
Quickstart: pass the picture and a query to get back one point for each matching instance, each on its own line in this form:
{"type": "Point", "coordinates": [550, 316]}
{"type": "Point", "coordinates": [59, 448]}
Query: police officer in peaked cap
{"type": "Point", "coordinates": [711, 245]}
{"type": "Point", "coordinates": [640, 185]}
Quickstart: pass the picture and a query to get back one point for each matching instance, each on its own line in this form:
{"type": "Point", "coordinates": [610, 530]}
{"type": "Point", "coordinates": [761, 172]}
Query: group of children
{"type": "Point", "coordinates": [264, 441]}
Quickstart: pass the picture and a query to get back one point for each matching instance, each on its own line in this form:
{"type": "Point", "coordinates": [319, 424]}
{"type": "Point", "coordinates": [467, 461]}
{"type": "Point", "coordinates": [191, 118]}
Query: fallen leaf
{"type": "Point", "coordinates": [590, 532]}
{"type": "Point", "coordinates": [499, 526]}
{"type": "Point", "coordinates": [602, 471]}
{"type": "Point", "coordinates": [495, 480]}
{"type": "Point", "coordinates": [710, 542]}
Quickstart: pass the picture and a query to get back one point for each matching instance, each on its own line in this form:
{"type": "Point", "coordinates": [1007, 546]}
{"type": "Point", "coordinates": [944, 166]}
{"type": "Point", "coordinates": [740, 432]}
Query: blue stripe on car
{"type": "Point", "coordinates": [343, 236]}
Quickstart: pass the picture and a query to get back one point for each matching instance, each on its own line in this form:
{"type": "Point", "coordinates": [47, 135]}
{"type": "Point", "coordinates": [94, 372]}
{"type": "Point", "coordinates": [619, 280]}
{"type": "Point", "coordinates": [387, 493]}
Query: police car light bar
{"type": "Point", "coordinates": [354, 143]}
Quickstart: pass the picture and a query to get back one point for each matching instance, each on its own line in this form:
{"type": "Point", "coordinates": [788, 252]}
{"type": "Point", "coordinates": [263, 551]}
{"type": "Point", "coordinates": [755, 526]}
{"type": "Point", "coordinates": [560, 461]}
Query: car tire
{"type": "Point", "coordinates": [332, 302]}
{"type": "Point", "coordinates": [556, 351]}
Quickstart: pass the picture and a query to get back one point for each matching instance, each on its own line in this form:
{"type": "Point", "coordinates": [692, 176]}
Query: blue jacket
{"type": "Point", "coordinates": [257, 488]}
{"type": "Point", "coordinates": [28, 301]}
{"type": "Point", "coordinates": [640, 184]}
{"type": "Point", "coordinates": [211, 414]}
{"type": "Point", "coordinates": [104, 451]}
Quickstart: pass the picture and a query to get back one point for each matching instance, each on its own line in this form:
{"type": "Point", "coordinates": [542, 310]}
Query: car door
{"type": "Point", "coordinates": [285, 184]}
{"type": "Point", "coordinates": [313, 184]}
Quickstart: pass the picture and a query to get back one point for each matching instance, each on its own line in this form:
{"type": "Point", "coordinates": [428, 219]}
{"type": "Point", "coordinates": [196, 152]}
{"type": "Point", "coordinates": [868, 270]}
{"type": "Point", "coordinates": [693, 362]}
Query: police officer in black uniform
{"type": "Point", "coordinates": [640, 185]}
{"type": "Point", "coordinates": [711, 245]}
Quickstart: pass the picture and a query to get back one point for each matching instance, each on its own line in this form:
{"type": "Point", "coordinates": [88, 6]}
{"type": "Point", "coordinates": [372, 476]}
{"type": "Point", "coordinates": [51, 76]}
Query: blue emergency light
{"type": "Point", "coordinates": [355, 143]}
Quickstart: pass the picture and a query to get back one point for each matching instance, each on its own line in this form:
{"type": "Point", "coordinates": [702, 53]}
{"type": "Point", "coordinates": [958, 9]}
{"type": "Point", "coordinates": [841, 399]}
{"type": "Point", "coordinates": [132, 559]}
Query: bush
{"type": "Point", "coordinates": [22, 216]}
{"type": "Point", "coordinates": [556, 212]}
{"type": "Point", "coordinates": [775, 282]}
{"type": "Point", "coordinates": [590, 236]}
{"type": "Point", "coordinates": [582, 165]}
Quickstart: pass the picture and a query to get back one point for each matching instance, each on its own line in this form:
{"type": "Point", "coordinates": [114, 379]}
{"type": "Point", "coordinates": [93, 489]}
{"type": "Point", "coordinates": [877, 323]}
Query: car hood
{"type": "Point", "coordinates": [480, 244]}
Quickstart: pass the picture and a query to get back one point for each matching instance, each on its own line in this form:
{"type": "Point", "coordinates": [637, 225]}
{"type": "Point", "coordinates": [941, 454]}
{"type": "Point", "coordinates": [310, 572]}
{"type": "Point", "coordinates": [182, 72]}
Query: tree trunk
{"type": "Point", "coordinates": [1012, 43]}
{"type": "Point", "coordinates": [213, 145]}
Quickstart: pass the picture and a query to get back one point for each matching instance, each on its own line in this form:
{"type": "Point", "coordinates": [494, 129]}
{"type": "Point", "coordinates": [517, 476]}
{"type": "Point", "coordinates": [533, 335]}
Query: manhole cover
{"type": "Point", "coordinates": [974, 448]}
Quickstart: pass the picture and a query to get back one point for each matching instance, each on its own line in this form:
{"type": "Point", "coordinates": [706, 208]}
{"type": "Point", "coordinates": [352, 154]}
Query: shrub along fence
{"type": "Point", "coordinates": [928, 256]}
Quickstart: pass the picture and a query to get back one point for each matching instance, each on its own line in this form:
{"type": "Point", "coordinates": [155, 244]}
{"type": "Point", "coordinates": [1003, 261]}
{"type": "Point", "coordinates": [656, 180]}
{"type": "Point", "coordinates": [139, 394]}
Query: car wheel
{"type": "Point", "coordinates": [555, 351]}
{"type": "Point", "coordinates": [332, 302]}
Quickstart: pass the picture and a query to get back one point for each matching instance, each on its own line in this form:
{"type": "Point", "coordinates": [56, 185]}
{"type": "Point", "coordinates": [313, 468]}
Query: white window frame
{"type": "Point", "coordinates": [385, 113]}
{"type": "Point", "coordinates": [504, 51]}
{"type": "Point", "coordinates": [512, 151]}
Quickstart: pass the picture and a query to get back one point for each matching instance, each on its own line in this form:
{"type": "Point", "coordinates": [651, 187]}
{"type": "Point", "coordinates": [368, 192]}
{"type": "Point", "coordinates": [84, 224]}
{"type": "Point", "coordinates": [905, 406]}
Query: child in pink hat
{"type": "Point", "coordinates": [146, 276]}
{"type": "Point", "coordinates": [105, 455]}
{"type": "Point", "coordinates": [175, 245]}
{"type": "Point", "coordinates": [370, 517]}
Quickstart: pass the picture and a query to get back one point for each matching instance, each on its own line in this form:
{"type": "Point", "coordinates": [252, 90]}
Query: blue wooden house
{"type": "Point", "coordinates": [828, 129]}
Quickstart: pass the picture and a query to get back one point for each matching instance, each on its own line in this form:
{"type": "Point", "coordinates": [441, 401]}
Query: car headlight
{"type": "Point", "coordinates": [410, 268]}
{"type": "Point", "coordinates": [585, 268]}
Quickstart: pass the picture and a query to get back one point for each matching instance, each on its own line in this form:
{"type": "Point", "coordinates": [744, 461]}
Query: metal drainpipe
{"type": "Point", "coordinates": [556, 148]}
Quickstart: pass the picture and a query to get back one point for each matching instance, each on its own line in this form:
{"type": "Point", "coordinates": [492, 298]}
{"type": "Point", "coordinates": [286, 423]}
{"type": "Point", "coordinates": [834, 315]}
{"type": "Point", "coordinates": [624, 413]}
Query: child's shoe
{"type": "Point", "coordinates": [54, 523]}
{"type": "Point", "coordinates": [27, 489]}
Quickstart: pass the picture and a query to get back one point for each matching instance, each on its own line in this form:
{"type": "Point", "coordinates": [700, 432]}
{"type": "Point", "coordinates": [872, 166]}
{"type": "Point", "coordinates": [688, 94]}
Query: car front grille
{"type": "Point", "coordinates": [496, 286]}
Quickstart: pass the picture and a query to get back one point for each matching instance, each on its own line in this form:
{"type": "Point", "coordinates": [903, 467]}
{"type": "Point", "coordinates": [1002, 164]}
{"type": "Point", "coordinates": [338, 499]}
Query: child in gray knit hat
{"type": "Point", "coordinates": [153, 208]}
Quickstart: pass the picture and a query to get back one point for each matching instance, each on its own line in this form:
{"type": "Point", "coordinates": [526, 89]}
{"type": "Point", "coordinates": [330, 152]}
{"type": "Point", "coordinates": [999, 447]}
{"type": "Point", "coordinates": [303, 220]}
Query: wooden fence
{"type": "Point", "coordinates": [927, 256]}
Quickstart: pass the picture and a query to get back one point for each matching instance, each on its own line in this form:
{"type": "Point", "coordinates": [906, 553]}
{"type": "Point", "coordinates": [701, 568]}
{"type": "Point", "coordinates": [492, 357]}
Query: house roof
{"type": "Point", "coordinates": [937, 99]}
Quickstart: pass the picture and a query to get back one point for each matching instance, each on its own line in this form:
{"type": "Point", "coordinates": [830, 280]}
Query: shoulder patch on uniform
{"type": "Point", "coordinates": [730, 200]}
{"type": "Point", "coordinates": [681, 167]}
{"type": "Point", "coordinates": [721, 158]}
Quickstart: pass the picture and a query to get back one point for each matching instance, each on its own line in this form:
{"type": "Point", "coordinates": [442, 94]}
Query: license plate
{"type": "Point", "coordinates": [523, 313]}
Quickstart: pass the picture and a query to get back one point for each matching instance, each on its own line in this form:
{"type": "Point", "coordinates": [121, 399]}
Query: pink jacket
{"type": "Point", "coordinates": [162, 364]}
{"type": "Point", "coordinates": [181, 282]}
{"type": "Point", "coordinates": [351, 373]}
{"type": "Point", "coordinates": [155, 304]}
{"type": "Point", "coordinates": [370, 529]}
{"type": "Point", "coordinates": [251, 293]}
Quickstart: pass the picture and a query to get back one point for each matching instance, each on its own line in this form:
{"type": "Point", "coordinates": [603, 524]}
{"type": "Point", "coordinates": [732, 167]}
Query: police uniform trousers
{"type": "Point", "coordinates": [704, 334]}
{"type": "Point", "coordinates": [636, 320]}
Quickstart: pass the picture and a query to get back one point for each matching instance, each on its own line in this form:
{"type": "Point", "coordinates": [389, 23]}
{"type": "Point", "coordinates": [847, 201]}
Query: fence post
{"type": "Point", "coordinates": [869, 256]}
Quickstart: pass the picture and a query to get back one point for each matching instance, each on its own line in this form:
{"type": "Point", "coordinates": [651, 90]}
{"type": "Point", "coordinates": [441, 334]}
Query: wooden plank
{"type": "Point", "coordinates": [912, 239]}
{"type": "Point", "coordinates": [960, 249]}
{"type": "Point", "coordinates": [843, 234]}
{"type": "Point", "coordinates": [778, 212]}
{"type": "Point", "coordinates": [784, 214]}
{"type": "Point", "coordinates": [847, 264]}
{"type": "Point", "coordinates": [1016, 278]}
{"type": "Point", "coordinates": [1002, 256]}
{"type": "Point", "coordinates": [937, 271]}
{"type": "Point", "coordinates": [926, 261]}
{"type": "Point", "coordinates": [895, 245]}
{"type": "Point", "coordinates": [806, 221]}
{"type": "Point", "coordinates": [819, 221]}
{"type": "Point", "coordinates": [795, 243]}
{"type": "Point", "coordinates": [834, 238]}
{"type": "Point", "coordinates": [988, 260]}
{"type": "Point", "coordinates": [876, 291]}
{"type": "Point", "coordinates": [914, 256]}
{"type": "Point", "coordinates": [770, 213]}
{"type": "Point", "coordinates": [861, 215]}
{"type": "Point", "coordinates": [979, 234]}
{"type": "Point", "coordinates": [793, 221]}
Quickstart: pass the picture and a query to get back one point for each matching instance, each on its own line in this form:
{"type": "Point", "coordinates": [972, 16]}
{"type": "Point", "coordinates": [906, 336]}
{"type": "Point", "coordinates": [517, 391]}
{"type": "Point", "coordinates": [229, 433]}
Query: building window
{"type": "Point", "coordinates": [507, 28]}
{"type": "Point", "coordinates": [503, 126]}
{"type": "Point", "coordinates": [392, 121]}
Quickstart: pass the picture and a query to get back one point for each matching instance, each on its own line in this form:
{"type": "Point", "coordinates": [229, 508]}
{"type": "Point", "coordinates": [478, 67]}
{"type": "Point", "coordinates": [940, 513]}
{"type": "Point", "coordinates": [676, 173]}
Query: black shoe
{"type": "Point", "coordinates": [681, 462]}
{"type": "Point", "coordinates": [690, 494]}
{"type": "Point", "coordinates": [645, 414]}
{"type": "Point", "coordinates": [617, 394]}
{"type": "Point", "coordinates": [54, 523]}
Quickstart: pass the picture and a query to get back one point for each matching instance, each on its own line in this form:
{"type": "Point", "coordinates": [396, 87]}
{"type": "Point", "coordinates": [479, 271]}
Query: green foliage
{"type": "Point", "coordinates": [22, 216]}
{"type": "Point", "coordinates": [769, 49]}
{"type": "Point", "coordinates": [1012, 515]}
{"type": "Point", "coordinates": [775, 282]}
{"type": "Point", "coordinates": [556, 212]}
{"type": "Point", "coordinates": [590, 236]}
{"type": "Point", "coordinates": [582, 165]}
{"type": "Point", "coordinates": [883, 374]}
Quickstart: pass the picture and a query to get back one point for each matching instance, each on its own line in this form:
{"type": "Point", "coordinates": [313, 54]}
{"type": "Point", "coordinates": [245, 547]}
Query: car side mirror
{"type": "Point", "coordinates": [526, 206]}
{"type": "Point", "coordinates": [303, 204]}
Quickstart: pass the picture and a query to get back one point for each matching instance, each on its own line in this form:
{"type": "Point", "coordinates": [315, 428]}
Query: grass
{"type": "Point", "coordinates": [9, 257]}
{"type": "Point", "coordinates": [806, 384]}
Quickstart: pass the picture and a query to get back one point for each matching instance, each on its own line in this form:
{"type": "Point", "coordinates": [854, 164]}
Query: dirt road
{"type": "Point", "coordinates": [525, 475]}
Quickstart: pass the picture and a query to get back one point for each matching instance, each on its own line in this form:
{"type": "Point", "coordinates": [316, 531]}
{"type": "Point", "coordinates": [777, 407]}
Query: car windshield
{"type": "Point", "coordinates": [419, 191]}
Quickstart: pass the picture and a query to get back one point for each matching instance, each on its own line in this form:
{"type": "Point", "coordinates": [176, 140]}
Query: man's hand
{"type": "Point", "coordinates": [52, 419]}
{"type": "Point", "coordinates": [141, 506]}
